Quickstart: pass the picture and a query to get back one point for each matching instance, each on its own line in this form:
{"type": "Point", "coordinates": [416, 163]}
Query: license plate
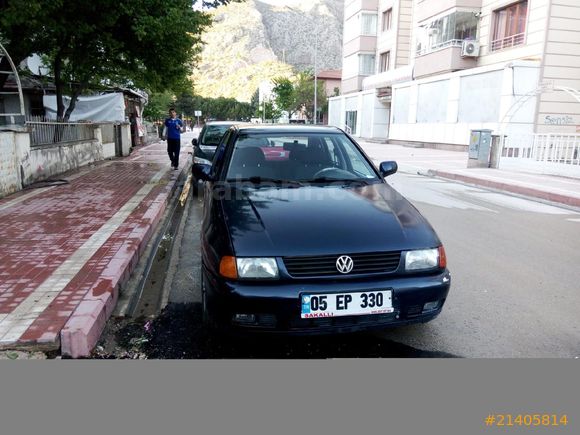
{"type": "Point", "coordinates": [346, 304]}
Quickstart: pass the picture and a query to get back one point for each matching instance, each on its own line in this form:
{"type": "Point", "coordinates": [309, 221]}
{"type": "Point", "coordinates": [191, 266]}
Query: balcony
{"type": "Point", "coordinates": [510, 41]}
{"type": "Point", "coordinates": [445, 59]}
{"type": "Point", "coordinates": [436, 47]}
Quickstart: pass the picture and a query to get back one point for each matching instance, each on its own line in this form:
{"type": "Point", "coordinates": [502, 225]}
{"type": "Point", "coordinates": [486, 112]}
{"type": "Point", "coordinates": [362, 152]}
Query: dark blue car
{"type": "Point", "coordinates": [301, 234]}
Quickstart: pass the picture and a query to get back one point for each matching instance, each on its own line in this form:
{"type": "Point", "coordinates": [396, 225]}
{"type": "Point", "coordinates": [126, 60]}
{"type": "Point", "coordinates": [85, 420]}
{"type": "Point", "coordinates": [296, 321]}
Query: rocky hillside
{"type": "Point", "coordinates": [258, 40]}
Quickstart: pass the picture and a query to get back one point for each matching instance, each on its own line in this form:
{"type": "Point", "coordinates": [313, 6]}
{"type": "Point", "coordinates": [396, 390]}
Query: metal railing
{"type": "Point", "coordinates": [440, 46]}
{"type": "Point", "coordinates": [52, 132]}
{"type": "Point", "coordinates": [554, 148]}
{"type": "Point", "coordinates": [553, 154]}
{"type": "Point", "coordinates": [509, 41]}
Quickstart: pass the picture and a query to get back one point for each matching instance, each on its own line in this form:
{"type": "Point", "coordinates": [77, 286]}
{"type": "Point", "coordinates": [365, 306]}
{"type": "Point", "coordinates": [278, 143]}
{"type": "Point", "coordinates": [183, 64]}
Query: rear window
{"type": "Point", "coordinates": [212, 134]}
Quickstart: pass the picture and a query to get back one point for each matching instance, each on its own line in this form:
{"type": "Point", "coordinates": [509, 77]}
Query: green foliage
{"type": "Point", "coordinates": [304, 94]}
{"type": "Point", "coordinates": [158, 105]}
{"type": "Point", "coordinates": [298, 95]}
{"type": "Point", "coordinates": [284, 94]}
{"type": "Point", "coordinates": [187, 103]}
{"type": "Point", "coordinates": [150, 44]}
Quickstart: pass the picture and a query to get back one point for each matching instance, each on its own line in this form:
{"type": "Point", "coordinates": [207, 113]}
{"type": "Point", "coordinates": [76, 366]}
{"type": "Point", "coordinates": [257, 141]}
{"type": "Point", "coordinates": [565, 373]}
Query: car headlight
{"type": "Point", "coordinates": [422, 259]}
{"type": "Point", "coordinates": [201, 161]}
{"type": "Point", "coordinates": [257, 268]}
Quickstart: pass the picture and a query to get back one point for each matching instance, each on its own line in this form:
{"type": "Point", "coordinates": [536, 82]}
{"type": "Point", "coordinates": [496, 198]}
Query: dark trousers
{"type": "Point", "coordinates": [173, 147]}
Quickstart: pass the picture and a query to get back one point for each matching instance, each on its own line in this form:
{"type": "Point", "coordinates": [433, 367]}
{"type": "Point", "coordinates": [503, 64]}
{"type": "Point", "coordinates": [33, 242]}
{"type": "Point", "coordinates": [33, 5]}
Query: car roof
{"type": "Point", "coordinates": [222, 122]}
{"type": "Point", "coordinates": [287, 128]}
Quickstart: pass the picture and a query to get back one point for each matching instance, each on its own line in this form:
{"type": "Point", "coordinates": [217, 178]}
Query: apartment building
{"type": "Point", "coordinates": [430, 71]}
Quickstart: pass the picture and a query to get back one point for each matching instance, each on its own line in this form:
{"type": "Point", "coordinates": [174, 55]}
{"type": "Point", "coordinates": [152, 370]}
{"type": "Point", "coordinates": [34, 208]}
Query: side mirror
{"type": "Point", "coordinates": [201, 171]}
{"type": "Point", "coordinates": [194, 142]}
{"type": "Point", "coordinates": [388, 168]}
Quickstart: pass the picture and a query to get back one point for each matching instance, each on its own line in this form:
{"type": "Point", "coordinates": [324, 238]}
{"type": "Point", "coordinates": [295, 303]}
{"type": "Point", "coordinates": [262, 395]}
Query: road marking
{"type": "Point", "coordinates": [14, 324]}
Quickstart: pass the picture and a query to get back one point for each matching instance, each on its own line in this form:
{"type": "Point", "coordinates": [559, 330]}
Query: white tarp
{"type": "Point", "coordinates": [108, 107]}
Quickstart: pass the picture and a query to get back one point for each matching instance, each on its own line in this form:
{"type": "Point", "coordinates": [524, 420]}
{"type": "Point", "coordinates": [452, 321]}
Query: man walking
{"type": "Point", "coordinates": [173, 126]}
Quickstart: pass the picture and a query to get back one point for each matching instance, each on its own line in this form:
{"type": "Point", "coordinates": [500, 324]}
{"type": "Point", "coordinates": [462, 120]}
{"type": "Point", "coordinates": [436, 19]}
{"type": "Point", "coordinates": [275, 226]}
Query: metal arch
{"type": "Point", "coordinates": [3, 52]}
{"type": "Point", "coordinates": [517, 105]}
{"type": "Point", "coordinates": [544, 87]}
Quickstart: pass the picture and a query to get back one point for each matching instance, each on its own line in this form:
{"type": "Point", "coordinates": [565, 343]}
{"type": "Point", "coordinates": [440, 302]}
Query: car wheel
{"type": "Point", "coordinates": [206, 319]}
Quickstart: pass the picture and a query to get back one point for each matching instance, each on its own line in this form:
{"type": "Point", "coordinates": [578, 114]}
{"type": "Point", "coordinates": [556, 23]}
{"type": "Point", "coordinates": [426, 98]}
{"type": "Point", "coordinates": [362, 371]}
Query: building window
{"type": "Point", "coordinates": [387, 19]}
{"type": "Point", "coordinates": [509, 26]}
{"type": "Point", "coordinates": [448, 31]}
{"type": "Point", "coordinates": [366, 65]}
{"type": "Point", "coordinates": [385, 61]}
{"type": "Point", "coordinates": [368, 24]}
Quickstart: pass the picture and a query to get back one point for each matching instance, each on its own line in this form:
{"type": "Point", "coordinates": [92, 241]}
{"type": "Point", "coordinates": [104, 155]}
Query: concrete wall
{"type": "Point", "coordinates": [372, 114]}
{"type": "Point", "coordinates": [444, 109]}
{"type": "Point", "coordinates": [50, 160]}
{"type": "Point", "coordinates": [21, 164]}
{"type": "Point", "coordinates": [558, 111]}
{"type": "Point", "coordinates": [442, 61]}
{"type": "Point", "coordinates": [11, 143]}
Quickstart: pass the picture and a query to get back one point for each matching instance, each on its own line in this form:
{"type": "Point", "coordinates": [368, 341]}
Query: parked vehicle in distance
{"type": "Point", "coordinates": [205, 144]}
{"type": "Point", "coordinates": [301, 234]}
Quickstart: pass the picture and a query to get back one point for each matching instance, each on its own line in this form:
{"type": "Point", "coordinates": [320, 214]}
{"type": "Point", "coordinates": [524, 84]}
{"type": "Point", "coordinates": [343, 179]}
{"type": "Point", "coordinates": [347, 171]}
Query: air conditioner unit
{"type": "Point", "coordinates": [470, 49]}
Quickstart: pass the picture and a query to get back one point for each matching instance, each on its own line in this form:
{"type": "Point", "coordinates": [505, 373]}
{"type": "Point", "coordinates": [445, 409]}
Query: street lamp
{"type": "Point", "coordinates": [315, 74]}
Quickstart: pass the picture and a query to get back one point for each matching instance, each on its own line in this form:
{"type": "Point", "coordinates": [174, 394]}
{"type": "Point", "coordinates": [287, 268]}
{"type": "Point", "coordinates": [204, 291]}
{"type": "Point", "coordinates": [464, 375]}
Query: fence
{"type": "Point", "coordinates": [555, 154]}
{"type": "Point", "coordinates": [51, 132]}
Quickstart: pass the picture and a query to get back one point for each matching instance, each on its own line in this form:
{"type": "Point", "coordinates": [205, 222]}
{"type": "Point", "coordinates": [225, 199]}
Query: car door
{"type": "Point", "coordinates": [215, 239]}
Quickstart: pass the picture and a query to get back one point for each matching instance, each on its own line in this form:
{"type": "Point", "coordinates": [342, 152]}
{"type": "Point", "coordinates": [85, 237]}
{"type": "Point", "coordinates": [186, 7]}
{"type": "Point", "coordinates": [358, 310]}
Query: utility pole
{"type": "Point", "coordinates": [314, 23]}
{"type": "Point", "coordinates": [315, 74]}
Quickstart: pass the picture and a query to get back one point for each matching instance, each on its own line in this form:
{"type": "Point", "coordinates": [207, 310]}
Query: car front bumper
{"type": "Point", "coordinates": [276, 307]}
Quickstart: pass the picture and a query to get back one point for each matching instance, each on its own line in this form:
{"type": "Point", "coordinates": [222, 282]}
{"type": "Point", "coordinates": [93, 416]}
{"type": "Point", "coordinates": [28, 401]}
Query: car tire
{"type": "Point", "coordinates": [206, 319]}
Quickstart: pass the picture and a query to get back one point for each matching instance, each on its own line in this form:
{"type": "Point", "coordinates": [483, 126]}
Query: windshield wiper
{"type": "Point", "coordinates": [349, 181]}
{"type": "Point", "coordinates": [260, 180]}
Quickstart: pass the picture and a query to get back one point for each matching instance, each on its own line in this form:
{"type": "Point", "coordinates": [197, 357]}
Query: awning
{"type": "Point", "coordinates": [388, 78]}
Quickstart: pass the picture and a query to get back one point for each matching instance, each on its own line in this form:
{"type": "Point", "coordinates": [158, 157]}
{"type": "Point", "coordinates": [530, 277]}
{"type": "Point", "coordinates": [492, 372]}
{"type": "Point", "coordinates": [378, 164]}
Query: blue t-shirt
{"type": "Point", "coordinates": [173, 128]}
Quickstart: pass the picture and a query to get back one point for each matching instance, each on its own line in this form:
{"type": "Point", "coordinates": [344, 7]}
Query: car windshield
{"type": "Point", "coordinates": [212, 134]}
{"type": "Point", "coordinates": [303, 157]}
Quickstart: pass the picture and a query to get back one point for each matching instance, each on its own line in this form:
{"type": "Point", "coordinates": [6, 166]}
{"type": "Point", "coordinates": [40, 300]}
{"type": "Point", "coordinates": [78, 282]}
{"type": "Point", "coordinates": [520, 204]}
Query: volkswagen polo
{"type": "Point", "coordinates": [302, 234]}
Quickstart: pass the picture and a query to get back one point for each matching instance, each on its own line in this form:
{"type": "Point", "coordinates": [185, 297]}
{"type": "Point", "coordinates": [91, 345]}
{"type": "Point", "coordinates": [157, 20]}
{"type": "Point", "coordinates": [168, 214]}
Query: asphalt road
{"type": "Point", "coordinates": [515, 286]}
{"type": "Point", "coordinates": [515, 276]}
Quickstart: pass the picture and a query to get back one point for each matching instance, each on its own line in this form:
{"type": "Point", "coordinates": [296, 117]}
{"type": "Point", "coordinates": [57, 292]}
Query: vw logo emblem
{"type": "Point", "coordinates": [344, 264]}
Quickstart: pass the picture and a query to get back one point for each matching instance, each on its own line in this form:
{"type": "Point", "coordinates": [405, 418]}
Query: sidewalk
{"type": "Point", "coordinates": [453, 165]}
{"type": "Point", "coordinates": [65, 250]}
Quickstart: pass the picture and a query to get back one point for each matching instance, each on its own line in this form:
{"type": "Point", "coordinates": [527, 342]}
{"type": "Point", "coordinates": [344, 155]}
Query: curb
{"type": "Point", "coordinates": [84, 327]}
{"type": "Point", "coordinates": [512, 188]}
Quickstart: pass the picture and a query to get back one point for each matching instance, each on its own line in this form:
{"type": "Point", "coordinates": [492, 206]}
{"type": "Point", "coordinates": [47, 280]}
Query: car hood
{"type": "Point", "coordinates": [317, 220]}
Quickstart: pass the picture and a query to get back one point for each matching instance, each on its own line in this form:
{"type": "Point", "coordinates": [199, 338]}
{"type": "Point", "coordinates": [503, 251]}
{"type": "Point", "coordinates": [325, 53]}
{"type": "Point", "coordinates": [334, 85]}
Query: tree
{"type": "Point", "coordinates": [150, 44]}
{"type": "Point", "coordinates": [304, 94]}
{"type": "Point", "coordinates": [158, 105]}
{"type": "Point", "coordinates": [284, 95]}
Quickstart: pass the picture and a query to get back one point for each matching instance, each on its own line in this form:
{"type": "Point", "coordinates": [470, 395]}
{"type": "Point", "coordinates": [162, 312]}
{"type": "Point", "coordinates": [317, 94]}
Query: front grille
{"type": "Point", "coordinates": [377, 262]}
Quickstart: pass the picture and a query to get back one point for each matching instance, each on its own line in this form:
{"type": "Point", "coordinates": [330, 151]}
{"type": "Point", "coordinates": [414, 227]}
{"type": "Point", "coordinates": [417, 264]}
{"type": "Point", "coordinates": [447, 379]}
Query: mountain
{"type": "Point", "coordinates": [258, 40]}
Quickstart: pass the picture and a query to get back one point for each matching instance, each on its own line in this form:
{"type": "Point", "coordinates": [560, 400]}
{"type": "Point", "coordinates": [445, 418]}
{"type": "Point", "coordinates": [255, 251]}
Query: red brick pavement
{"type": "Point", "coordinates": [40, 233]}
